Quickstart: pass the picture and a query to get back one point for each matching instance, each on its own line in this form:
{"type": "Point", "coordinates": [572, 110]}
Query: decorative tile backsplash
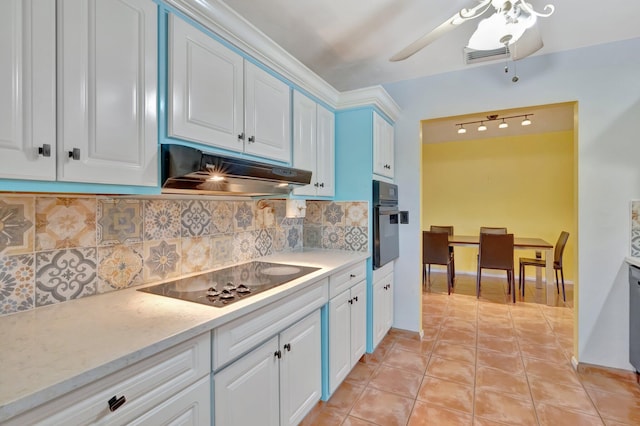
{"type": "Point", "coordinates": [635, 229]}
{"type": "Point", "coordinates": [55, 248]}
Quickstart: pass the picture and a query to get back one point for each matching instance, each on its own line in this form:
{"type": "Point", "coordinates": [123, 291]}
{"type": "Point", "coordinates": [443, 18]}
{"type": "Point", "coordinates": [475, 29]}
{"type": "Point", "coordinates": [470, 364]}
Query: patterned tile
{"type": "Point", "coordinates": [279, 239]}
{"type": "Point", "coordinates": [196, 218]}
{"type": "Point", "coordinates": [17, 288]}
{"type": "Point", "coordinates": [65, 222]}
{"type": "Point", "coordinates": [294, 238]}
{"type": "Point", "coordinates": [16, 225]}
{"type": "Point", "coordinates": [313, 215]}
{"type": "Point", "coordinates": [356, 238]}
{"type": "Point", "coordinates": [266, 214]}
{"type": "Point", "coordinates": [196, 254]}
{"type": "Point", "coordinates": [357, 214]}
{"type": "Point", "coordinates": [244, 214]}
{"type": "Point", "coordinates": [333, 214]}
{"type": "Point", "coordinates": [162, 259]}
{"type": "Point", "coordinates": [312, 236]}
{"type": "Point", "coordinates": [63, 275]}
{"type": "Point", "coordinates": [161, 219]}
{"type": "Point", "coordinates": [635, 243]}
{"type": "Point", "coordinates": [333, 237]}
{"type": "Point", "coordinates": [221, 250]}
{"type": "Point", "coordinates": [118, 221]}
{"type": "Point", "coordinates": [221, 217]}
{"type": "Point", "coordinates": [263, 242]}
{"type": "Point", "coordinates": [635, 215]}
{"type": "Point", "coordinates": [119, 267]}
{"type": "Point", "coordinates": [244, 247]}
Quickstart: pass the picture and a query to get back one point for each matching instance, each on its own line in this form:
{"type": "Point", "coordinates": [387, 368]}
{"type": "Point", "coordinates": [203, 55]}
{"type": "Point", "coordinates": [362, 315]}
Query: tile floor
{"type": "Point", "coordinates": [481, 362]}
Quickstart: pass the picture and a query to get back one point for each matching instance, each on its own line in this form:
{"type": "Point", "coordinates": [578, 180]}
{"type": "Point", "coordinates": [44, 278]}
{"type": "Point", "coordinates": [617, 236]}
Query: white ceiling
{"type": "Point", "coordinates": [348, 42]}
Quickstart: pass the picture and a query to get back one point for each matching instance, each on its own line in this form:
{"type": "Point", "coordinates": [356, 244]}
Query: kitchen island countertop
{"type": "Point", "coordinates": [49, 351]}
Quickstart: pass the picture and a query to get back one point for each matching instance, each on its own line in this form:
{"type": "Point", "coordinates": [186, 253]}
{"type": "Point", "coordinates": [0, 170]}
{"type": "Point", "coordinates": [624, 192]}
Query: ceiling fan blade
{"type": "Point", "coordinates": [426, 39]}
{"type": "Point", "coordinates": [451, 23]}
{"type": "Point", "coordinates": [529, 43]}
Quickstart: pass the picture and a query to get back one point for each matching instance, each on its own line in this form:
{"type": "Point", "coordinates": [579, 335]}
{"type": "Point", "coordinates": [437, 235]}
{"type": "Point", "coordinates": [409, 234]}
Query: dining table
{"type": "Point", "coordinates": [519, 243]}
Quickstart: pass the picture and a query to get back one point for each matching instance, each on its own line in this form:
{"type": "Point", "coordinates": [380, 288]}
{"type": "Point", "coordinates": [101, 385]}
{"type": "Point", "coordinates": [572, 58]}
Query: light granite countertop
{"type": "Point", "coordinates": [50, 351]}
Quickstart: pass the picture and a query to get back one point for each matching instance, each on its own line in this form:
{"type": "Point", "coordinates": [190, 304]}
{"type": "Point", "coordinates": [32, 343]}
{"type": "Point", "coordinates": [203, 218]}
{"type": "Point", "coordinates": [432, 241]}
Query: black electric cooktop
{"type": "Point", "coordinates": [225, 286]}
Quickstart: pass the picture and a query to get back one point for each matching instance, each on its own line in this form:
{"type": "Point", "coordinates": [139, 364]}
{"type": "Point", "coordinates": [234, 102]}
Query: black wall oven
{"type": "Point", "coordinates": [386, 246]}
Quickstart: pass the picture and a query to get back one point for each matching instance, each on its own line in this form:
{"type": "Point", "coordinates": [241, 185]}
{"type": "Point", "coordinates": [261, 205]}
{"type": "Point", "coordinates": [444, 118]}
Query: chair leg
{"type": "Point", "coordinates": [557, 287]}
{"type": "Point", "coordinates": [449, 281]}
{"type": "Point", "coordinates": [513, 287]}
{"type": "Point", "coordinates": [429, 274]}
{"type": "Point", "coordinates": [424, 276]}
{"type": "Point", "coordinates": [453, 268]}
{"type": "Point", "coordinates": [564, 297]}
{"type": "Point", "coordinates": [478, 283]}
{"type": "Point", "coordinates": [508, 282]}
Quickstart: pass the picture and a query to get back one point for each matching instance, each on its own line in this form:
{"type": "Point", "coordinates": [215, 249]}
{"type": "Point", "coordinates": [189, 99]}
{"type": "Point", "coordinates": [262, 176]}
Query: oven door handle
{"type": "Point", "coordinates": [388, 212]}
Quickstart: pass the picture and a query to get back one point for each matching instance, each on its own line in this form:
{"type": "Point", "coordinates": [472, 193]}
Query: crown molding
{"type": "Point", "coordinates": [224, 21]}
{"type": "Point", "coordinates": [219, 18]}
{"type": "Point", "coordinates": [374, 95]}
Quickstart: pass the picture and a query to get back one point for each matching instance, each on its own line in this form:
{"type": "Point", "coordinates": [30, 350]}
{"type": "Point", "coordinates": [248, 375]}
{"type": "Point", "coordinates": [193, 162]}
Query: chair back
{"type": "Point", "coordinates": [489, 230]}
{"type": "Point", "coordinates": [496, 251]}
{"type": "Point", "coordinates": [435, 248]}
{"type": "Point", "coordinates": [559, 249]}
{"type": "Point", "coordinates": [447, 229]}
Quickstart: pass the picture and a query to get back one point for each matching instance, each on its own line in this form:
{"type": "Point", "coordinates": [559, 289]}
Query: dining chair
{"type": "Point", "coordinates": [496, 252]}
{"type": "Point", "coordinates": [541, 263]}
{"type": "Point", "coordinates": [435, 251]}
{"type": "Point", "coordinates": [449, 231]}
{"type": "Point", "coordinates": [490, 230]}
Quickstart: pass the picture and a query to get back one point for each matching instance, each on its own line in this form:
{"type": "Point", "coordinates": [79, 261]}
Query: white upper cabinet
{"type": "Point", "coordinates": [383, 146]}
{"type": "Point", "coordinates": [217, 98]}
{"type": "Point", "coordinates": [107, 91]}
{"type": "Point", "coordinates": [314, 145]}
{"type": "Point", "coordinates": [27, 90]}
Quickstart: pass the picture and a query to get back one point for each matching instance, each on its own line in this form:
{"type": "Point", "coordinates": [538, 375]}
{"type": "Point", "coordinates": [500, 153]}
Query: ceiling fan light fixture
{"type": "Point", "coordinates": [503, 28]}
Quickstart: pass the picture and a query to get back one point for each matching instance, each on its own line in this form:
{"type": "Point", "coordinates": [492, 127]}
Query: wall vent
{"type": "Point", "coordinates": [472, 56]}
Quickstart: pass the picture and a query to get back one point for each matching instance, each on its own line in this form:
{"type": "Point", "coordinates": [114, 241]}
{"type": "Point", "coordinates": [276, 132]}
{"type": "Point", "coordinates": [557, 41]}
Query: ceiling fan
{"type": "Point", "coordinates": [511, 26]}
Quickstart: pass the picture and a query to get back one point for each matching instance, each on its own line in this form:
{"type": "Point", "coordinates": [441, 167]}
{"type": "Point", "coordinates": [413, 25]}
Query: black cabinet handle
{"type": "Point", "coordinates": [316, 184]}
{"type": "Point", "coordinates": [241, 136]}
{"type": "Point", "coordinates": [351, 301]}
{"type": "Point", "coordinates": [75, 154]}
{"type": "Point", "coordinates": [278, 354]}
{"type": "Point", "coordinates": [252, 139]}
{"type": "Point", "coordinates": [115, 402]}
{"type": "Point", "coordinates": [355, 298]}
{"type": "Point", "coordinates": [45, 150]}
{"type": "Point", "coordinates": [322, 185]}
{"type": "Point", "coordinates": [288, 347]}
{"type": "Point", "coordinates": [352, 275]}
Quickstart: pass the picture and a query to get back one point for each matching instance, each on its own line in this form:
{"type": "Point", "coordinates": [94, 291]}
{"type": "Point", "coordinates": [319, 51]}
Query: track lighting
{"type": "Point", "coordinates": [494, 117]}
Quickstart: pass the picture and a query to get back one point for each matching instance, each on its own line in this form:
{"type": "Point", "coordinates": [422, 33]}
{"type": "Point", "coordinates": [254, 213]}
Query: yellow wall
{"type": "Point", "coordinates": [523, 182]}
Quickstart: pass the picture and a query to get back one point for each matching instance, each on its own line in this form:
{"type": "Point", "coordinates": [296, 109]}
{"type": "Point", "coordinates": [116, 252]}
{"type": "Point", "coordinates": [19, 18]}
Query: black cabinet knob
{"type": "Point", "coordinates": [355, 298]}
{"type": "Point", "coordinates": [241, 136]}
{"type": "Point", "coordinates": [252, 139]}
{"type": "Point", "coordinates": [352, 275]}
{"type": "Point", "coordinates": [115, 402]}
{"type": "Point", "coordinates": [277, 354]}
{"type": "Point", "coordinates": [75, 154]}
{"type": "Point", "coordinates": [316, 184]}
{"type": "Point", "coordinates": [322, 185]}
{"type": "Point", "coordinates": [351, 301]}
{"type": "Point", "coordinates": [45, 150]}
{"type": "Point", "coordinates": [288, 347]}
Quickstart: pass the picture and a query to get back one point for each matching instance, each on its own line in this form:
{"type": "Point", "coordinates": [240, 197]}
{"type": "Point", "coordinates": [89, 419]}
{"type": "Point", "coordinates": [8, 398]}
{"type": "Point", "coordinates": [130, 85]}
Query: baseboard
{"type": "Point", "coordinates": [593, 369]}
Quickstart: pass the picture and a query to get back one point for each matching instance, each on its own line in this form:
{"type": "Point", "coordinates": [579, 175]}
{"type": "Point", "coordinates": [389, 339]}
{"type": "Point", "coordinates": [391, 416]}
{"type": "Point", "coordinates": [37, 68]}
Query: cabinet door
{"type": "Point", "coordinates": [358, 321]}
{"type": "Point", "coordinates": [339, 339]}
{"type": "Point", "coordinates": [247, 391]}
{"type": "Point", "coordinates": [305, 140]}
{"type": "Point", "coordinates": [192, 406]}
{"type": "Point", "coordinates": [300, 369]}
{"type": "Point", "coordinates": [27, 89]}
{"type": "Point", "coordinates": [326, 152]}
{"type": "Point", "coordinates": [379, 307]}
{"type": "Point", "coordinates": [382, 146]}
{"type": "Point", "coordinates": [206, 90]}
{"type": "Point", "coordinates": [388, 311]}
{"type": "Point", "coordinates": [107, 84]}
{"type": "Point", "coordinates": [267, 115]}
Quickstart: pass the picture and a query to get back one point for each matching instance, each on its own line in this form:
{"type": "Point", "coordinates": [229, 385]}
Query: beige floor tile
{"type": "Point", "coordinates": [515, 385]}
{"type": "Point", "coordinates": [382, 408]}
{"type": "Point", "coordinates": [549, 415]}
{"type": "Point", "coordinates": [423, 347]}
{"type": "Point", "coordinates": [361, 374]}
{"type": "Point", "coordinates": [394, 380]}
{"type": "Point", "coordinates": [540, 339]}
{"type": "Point", "coordinates": [461, 337]}
{"type": "Point", "coordinates": [547, 353]}
{"type": "Point", "coordinates": [561, 373]}
{"type": "Point", "coordinates": [511, 363]}
{"type": "Point", "coordinates": [443, 393]}
{"type": "Point", "coordinates": [449, 350]}
{"type": "Point", "coordinates": [479, 421]}
{"type": "Point", "coordinates": [572, 398]}
{"type": "Point", "coordinates": [503, 408]}
{"type": "Point", "coordinates": [427, 414]}
{"type": "Point", "coordinates": [344, 397]}
{"type": "Point", "coordinates": [617, 407]}
{"type": "Point", "coordinates": [324, 417]}
{"type": "Point", "coordinates": [354, 421]}
{"type": "Point", "coordinates": [604, 383]}
{"type": "Point", "coordinates": [497, 344]}
{"type": "Point", "coordinates": [451, 370]}
{"type": "Point", "coordinates": [406, 360]}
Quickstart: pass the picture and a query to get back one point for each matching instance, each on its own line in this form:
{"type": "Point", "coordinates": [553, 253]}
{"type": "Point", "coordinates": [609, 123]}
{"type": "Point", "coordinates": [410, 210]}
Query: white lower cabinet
{"type": "Point", "coordinates": [275, 384]}
{"type": "Point", "coordinates": [172, 387]}
{"type": "Point", "coordinates": [347, 332]}
{"type": "Point", "coordinates": [382, 302]}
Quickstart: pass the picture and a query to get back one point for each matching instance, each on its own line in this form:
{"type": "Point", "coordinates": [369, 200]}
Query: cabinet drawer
{"type": "Point", "coordinates": [239, 336]}
{"type": "Point", "coordinates": [380, 273]}
{"type": "Point", "coordinates": [346, 278]}
{"type": "Point", "coordinates": [144, 385]}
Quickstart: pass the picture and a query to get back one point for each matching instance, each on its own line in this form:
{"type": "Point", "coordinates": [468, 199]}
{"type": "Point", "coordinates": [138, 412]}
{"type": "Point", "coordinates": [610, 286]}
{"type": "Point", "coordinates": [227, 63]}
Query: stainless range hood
{"type": "Point", "coordinates": [187, 170]}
